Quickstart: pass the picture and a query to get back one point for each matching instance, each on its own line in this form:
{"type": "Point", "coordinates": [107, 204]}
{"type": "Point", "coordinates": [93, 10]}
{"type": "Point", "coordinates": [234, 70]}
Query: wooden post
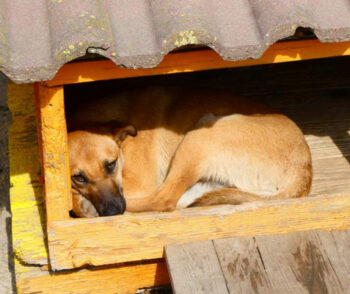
{"type": "Point", "coordinates": [53, 133]}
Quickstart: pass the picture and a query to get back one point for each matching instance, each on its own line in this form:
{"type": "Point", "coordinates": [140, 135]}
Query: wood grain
{"type": "Point", "coordinates": [122, 280]}
{"type": "Point", "coordinates": [80, 72]}
{"type": "Point", "coordinates": [194, 269]}
{"type": "Point", "coordinates": [336, 246]}
{"type": "Point", "coordinates": [242, 266]}
{"type": "Point", "coordinates": [53, 132]}
{"type": "Point", "coordinates": [295, 264]}
{"type": "Point", "coordinates": [298, 262]}
{"type": "Point", "coordinates": [131, 237]}
{"type": "Point", "coordinates": [26, 186]}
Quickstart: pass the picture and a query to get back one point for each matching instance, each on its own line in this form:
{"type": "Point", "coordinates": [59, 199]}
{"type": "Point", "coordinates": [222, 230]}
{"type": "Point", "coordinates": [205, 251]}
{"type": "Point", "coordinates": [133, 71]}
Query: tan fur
{"type": "Point", "coordinates": [190, 136]}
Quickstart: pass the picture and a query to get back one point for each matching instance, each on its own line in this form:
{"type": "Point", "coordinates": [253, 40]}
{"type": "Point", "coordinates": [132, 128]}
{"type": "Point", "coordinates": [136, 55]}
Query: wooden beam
{"type": "Point", "coordinates": [190, 61]}
{"type": "Point", "coordinates": [109, 240]}
{"type": "Point", "coordinates": [122, 280]}
{"type": "Point", "coordinates": [53, 134]}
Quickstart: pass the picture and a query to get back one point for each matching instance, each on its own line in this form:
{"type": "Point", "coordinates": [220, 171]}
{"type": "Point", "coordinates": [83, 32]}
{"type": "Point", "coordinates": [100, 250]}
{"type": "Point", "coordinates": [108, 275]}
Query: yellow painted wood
{"type": "Point", "coordinates": [28, 222]}
{"type": "Point", "coordinates": [122, 280]}
{"type": "Point", "coordinates": [53, 132]}
{"type": "Point", "coordinates": [81, 72]}
{"type": "Point", "coordinates": [108, 240]}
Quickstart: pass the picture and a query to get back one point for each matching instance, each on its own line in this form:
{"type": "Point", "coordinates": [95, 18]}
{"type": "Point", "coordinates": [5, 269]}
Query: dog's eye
{"type": "Point", "coordinates": [80, 179]}
{"type": "Point", "coordinates": [110, 166]}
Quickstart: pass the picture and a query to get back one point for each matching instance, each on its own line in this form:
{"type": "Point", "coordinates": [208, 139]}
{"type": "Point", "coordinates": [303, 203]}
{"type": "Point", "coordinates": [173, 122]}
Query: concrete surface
{"type": "Point", "coordinates": [7, 277]}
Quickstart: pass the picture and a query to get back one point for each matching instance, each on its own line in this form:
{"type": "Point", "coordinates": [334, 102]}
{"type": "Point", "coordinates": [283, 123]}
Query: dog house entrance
{"type": "Point", "coordinates": [76, 242]}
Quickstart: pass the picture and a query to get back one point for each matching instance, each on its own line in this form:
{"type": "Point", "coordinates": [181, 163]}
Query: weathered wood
{"type": "Point", "coordinates": [122, 280]}
{"type": "Point", "coordinates": [298, 262]}
{"type": "Point", "coordinates": [295, 264]}
{"type": "Point", "coordinates": [242, 266]}
{"type": "Point", "coordinates": [142, 236]}
{"type": "Point", "coordinates": [194, 268]}
{"type": "Point", "coordinates": [197, 60]}
{"type": "Point", "coordinates": [336, 245]}
{"type": "Point", "coordinates": [54, 152]}
{"type": "Point", "coordinates": [28, 221]}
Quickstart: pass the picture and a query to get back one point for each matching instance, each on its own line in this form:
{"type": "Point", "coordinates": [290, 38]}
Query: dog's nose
{"type": "Point", "coordinates": [114, 207]}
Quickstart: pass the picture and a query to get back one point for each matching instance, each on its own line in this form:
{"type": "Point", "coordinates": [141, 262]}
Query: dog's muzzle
{"type": "Point", "coordinates": [113, 206]}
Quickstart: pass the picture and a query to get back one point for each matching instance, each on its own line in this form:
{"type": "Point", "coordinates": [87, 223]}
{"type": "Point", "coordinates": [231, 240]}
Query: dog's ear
{"type": "Point", "coordinates": [120, 133]}
{"type": "Point", "coordinates": [117, 130]}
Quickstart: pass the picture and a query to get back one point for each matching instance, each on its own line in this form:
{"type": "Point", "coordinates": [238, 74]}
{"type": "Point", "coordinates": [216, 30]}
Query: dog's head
{"type": "Point", "coordinates": [96, 163]}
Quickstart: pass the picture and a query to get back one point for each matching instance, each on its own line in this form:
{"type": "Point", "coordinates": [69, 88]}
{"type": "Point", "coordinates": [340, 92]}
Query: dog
{"type": "Point", "coordinates": [160, 149]}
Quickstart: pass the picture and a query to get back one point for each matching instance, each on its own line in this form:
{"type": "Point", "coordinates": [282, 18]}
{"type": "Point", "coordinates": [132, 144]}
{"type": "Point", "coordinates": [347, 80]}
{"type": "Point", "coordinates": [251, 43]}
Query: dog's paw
{"type": "Point", "coordinates": [166, 207]}
{"type": "Point", "coordinates": [82, 207]}
{"type": "Point", "coordinates": [88, 209]}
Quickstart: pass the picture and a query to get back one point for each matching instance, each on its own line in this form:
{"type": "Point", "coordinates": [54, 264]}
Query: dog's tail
{"type": "Point", "coordinates": [234, 196]}
{"type": "Point", "coordinates": [230, 196]}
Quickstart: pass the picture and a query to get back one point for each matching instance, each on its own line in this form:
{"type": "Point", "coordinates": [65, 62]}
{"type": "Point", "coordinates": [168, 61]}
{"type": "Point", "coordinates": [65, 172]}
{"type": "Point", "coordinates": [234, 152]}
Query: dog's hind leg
{"type": "Point", "coordinates": [181, 176]}
{"type": "Point", "coordinates": [255, 158]}
{"type": "Point", "coordinates": [234, 196]}
{"type": "Point", "coordinates": [185, 170]}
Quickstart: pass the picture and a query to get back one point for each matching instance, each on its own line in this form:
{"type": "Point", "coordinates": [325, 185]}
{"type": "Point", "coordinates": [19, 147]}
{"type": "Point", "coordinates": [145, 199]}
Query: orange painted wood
{"type": "Point", "coordinates": [121, 280]}
{"type": "Point", "coordinates": [53, 133]}
{"type": "Point", "coordinates": [190, 61]}
{"type": "Point", "coordinates": [109, 240]}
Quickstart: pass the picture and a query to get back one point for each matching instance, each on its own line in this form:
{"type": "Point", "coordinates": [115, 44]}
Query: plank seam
{"type": "Point", "coordinates": [222, 272]}
{"type": "Point", "coordinates": [259, 252]}
{"type": "Point", "coordinates": [325, 255]}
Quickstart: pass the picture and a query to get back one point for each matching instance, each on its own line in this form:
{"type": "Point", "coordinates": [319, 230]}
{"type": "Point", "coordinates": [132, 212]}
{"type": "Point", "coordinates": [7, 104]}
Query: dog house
{"type": "Point", "coordinates": [55, 253]}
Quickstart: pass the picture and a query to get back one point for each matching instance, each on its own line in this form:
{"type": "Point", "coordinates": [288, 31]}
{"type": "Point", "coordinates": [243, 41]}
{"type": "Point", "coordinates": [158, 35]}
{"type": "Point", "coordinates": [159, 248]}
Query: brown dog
{"type": "Point", "coordinates": [192, 148]}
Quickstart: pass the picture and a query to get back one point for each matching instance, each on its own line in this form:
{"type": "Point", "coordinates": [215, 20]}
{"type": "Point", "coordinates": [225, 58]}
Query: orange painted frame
{"type": "Point", "coordinates": [178, 62]}
{"type": "Point", "coordinates": [75, 243]}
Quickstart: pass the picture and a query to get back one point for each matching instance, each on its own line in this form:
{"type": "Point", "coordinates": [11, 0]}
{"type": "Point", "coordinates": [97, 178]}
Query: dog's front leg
{"type": "Point", "coordinates": [165, 197]}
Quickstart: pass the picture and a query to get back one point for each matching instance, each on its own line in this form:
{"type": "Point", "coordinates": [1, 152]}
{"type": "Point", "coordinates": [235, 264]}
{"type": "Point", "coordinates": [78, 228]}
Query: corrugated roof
{"type": "Point", "coordinates": [37, 37]}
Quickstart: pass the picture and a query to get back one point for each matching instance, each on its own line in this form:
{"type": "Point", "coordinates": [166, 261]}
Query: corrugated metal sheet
{"type": "Point", "coordinates": [37, 37]}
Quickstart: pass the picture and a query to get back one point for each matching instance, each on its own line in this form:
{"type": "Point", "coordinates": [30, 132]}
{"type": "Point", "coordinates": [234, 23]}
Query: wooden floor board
{"type": "Point", "coordinates": [295, 264]}
{"type": "Point", "coordinates": [316, 262]}
{"type": "Point", "coordinates": [336, 246]}
{"type": "Point", "coordinates": [331, 177]}
{"type": "Point", "coordinates": [242, 266]}
{"type": "Point", "coordinates": [194, 269]}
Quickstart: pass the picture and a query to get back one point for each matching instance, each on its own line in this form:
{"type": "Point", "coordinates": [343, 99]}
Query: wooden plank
{"type": "Point", "coordinates": [140, 236]}
{"type": "Point", "coordinates": [295, 264]}
{"type": "Point", "coordinates": [89, 71]}
{"type": "Point", "coordinates": [194, 268]}
{"type": "Point", "coordinates": [26, 186]}
{"type": "Point", "coordinates": [242, 266]}
{"type": "Point", "coordinates": [53, 132]}
{"type": "Point", "coordinates": [336, 245]}
{"type": "Point", "coordinates": [122, 280]}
